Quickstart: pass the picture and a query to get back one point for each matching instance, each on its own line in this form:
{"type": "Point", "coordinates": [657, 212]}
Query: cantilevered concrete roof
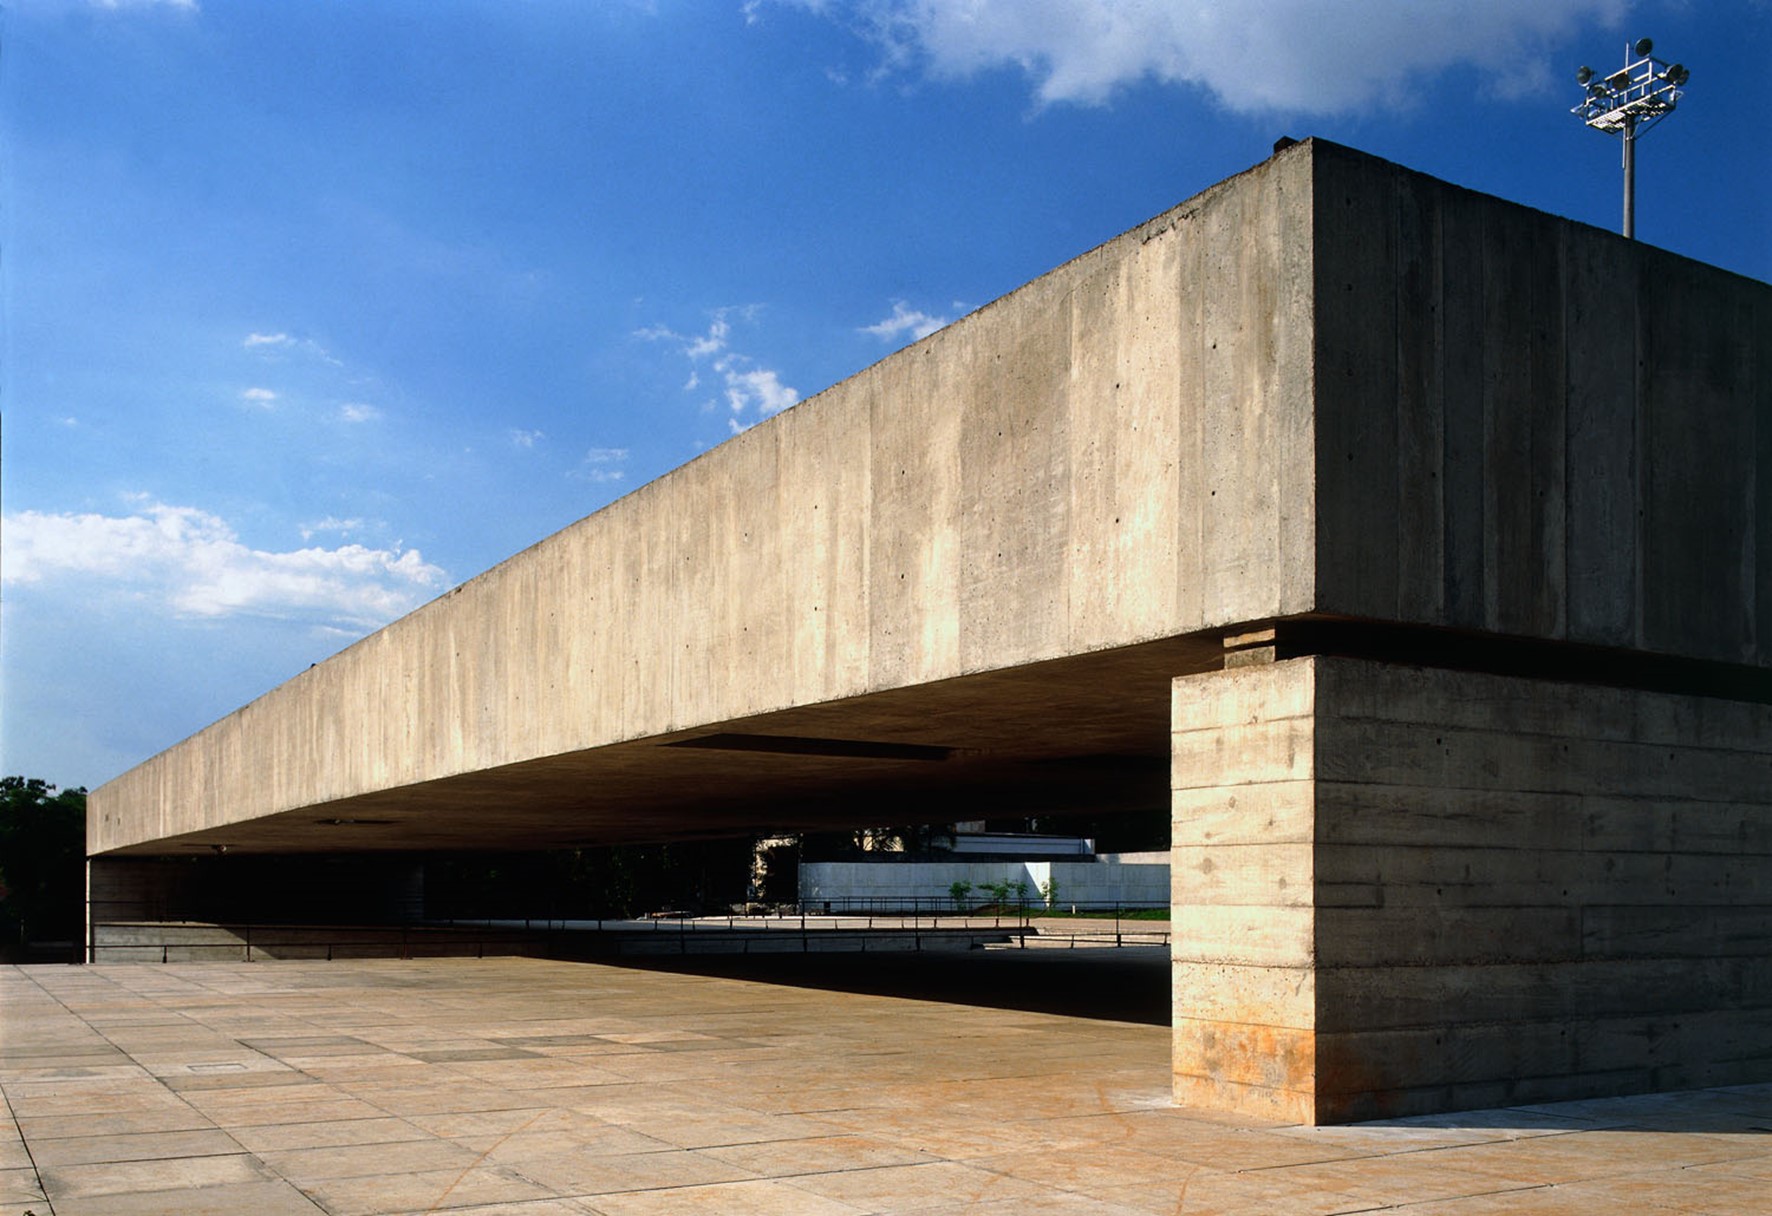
{"type": "Point", "coordinates": [961, 580]}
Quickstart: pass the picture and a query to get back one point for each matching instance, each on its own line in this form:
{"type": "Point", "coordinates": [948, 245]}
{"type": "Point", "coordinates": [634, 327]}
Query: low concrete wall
{"type": "Point", "coordinates": [1133, 879]}
{"type": "Point", "coordinates": [1400, 890]}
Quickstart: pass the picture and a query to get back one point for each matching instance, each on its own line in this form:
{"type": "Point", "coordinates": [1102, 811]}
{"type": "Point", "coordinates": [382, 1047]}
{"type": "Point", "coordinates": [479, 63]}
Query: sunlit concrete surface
{"type": "Point", "coordinates": [533, 1088]}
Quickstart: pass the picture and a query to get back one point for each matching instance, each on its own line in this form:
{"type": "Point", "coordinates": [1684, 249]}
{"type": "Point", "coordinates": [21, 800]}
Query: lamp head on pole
{"type": "Point", "coordinates": [1628, 102]}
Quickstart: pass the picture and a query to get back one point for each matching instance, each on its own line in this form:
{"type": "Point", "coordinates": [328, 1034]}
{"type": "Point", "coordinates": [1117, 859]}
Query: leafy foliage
{"type": "Point", "coordinates": [42, 864]}
{"type": "Point", "coordinates": [779, 880]}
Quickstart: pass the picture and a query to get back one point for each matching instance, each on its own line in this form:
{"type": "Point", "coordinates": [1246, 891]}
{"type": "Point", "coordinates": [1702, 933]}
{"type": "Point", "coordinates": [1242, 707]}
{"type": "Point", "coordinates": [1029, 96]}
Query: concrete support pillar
{"type": "Point", "coordinates": [1400, 890]}
{"type": "Point", "coordinates": [1241, 874]}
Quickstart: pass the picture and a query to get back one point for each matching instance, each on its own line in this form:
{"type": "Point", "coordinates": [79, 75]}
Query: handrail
{"type": "Point", "coordinates": [330, 943]}
{"type": "Point", "coordinates": [328, 946]}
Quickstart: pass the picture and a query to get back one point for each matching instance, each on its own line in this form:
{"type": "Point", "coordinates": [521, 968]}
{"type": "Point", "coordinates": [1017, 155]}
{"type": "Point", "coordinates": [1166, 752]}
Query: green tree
{"type": "Point", "coordinates": [42, 864]}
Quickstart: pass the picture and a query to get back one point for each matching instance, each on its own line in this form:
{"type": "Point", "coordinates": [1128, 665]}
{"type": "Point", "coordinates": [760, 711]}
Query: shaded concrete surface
{"type": "Point", "coordinates": [534, 1088]}
{"type": "Point", "coordinates": [1130, 984]}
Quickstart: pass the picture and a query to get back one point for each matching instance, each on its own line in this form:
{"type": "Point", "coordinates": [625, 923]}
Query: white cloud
{"type": "Point", "coordinates": [189, 563]}
{"type": "Point", "coordinates": [906, 320]}
{"type": "Point", "coordinates": [602, 465]}
{"type": "Point", "coordinates": [356, 411]}
{"type": "Point", "coordinates": [272, 346]}
{"type": "Point", "coordinates": [524, 439]}
{"type": "Point", "coordinates": [332, 523]}
{"type": "Point", "coordinates": [712, 342]}
{"type": "Point", "coordinates": [264, 398]}
{"type": "Point", "coordinates": [1299, 56]}
{"type": "Point", "coordinates": [701, 346]}
{"type": "Point", "coordinates": [753, 392]}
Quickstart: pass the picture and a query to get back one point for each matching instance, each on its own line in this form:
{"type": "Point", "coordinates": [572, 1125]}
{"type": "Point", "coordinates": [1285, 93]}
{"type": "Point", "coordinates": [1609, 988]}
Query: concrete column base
{"type": "Point", "coordinates": [1401, 890]}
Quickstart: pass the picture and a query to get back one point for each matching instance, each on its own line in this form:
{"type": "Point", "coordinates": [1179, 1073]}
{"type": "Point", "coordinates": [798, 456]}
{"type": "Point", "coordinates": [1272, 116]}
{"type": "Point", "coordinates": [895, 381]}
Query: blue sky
{"type": "Point", "coordinates": [313, 309]}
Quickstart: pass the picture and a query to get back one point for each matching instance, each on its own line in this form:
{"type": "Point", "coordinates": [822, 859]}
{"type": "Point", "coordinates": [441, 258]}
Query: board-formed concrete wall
{"type": "Point", "coordinates": [1533, 427]}
{"type": "Point", "coordinates": [1399, 889]}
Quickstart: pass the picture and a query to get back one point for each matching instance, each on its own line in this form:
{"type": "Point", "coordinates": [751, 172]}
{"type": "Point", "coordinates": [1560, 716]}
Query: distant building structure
{"type": "Point", "coordinates": [1022, 844]}
{"type": "Point", "coordinates": [1045, 872]}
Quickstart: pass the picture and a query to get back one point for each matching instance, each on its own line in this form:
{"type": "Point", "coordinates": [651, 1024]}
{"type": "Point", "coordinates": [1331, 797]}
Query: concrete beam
{"type": "Point", "coordinates": [1327, 386]}
{"type": "Point", "coordinates": [1118, 452]}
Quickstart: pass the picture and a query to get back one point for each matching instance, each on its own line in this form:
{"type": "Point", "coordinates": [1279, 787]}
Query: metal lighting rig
{"type": "Point", "coordinates": [1628, 102]}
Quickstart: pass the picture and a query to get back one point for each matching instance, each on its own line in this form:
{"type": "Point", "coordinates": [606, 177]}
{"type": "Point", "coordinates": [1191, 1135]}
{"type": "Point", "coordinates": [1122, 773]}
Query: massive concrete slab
{"type": "Point", "coordinates": [1328, 410]}
{"type": "Point", "coordinates": [1118, 454]}
{"type": "Point", "coordinates": [1325, 387]}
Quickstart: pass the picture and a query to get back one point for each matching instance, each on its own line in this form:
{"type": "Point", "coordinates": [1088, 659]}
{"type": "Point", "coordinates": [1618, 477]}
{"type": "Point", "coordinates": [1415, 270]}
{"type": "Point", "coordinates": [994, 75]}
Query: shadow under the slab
{"type": "Point", "coordinates": [1125, 984]}
{"type": "Point", "coordinates": [1725, 1110]}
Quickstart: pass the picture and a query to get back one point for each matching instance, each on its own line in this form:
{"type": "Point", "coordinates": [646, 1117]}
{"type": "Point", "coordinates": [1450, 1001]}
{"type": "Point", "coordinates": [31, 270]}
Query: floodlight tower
{"type": "Point", "coordinates": [1627, 103]}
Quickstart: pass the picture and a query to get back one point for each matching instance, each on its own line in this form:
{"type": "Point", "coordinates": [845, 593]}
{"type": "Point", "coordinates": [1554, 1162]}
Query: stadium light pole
{"type": "Point", "coordinates": [1627, 103]}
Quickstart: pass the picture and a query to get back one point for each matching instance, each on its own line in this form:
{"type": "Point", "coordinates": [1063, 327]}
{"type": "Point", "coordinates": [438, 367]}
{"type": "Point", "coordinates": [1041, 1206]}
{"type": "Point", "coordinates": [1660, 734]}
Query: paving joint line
{"type": "Point", "coordinates": [160, 1081]}
{"type": "Point", "coordinates": [29, 1155]}
{"type": "Point", "coordinates": [1416, 1203]}
{"type": "Point", "coordinates": [1425, 1148]}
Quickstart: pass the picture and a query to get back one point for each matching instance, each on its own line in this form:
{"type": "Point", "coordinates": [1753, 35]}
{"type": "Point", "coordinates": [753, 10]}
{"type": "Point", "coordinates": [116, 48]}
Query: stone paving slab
{"type": "Point", "coordinates": [521, 1087]}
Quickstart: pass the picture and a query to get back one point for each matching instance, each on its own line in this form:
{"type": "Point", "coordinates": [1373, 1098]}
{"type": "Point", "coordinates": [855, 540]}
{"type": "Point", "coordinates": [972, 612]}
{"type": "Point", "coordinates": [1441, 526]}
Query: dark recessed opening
{"type": "Point", "coordinates": [798, 745]}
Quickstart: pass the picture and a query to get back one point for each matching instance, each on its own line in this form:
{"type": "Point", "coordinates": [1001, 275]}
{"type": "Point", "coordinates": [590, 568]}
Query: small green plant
{"type": "Point", "coordinates": [1049, 892]}
{"type": "Point", "coordinates": [1020, 887]}
{"type": "Point", "coordinates": [961, 893]}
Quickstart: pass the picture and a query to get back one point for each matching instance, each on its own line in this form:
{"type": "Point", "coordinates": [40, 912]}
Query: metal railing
{"type": "Point", "coordinates": [195, 942]}
{"type": "Point", "coordinates": [976, 906]}
{"type": "Point", "coordinates": [1116, 924]}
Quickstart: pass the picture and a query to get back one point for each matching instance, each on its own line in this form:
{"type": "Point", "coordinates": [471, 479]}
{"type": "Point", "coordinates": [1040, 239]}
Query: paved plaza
{"type": "Point", "coordinates": [533, 1088]}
